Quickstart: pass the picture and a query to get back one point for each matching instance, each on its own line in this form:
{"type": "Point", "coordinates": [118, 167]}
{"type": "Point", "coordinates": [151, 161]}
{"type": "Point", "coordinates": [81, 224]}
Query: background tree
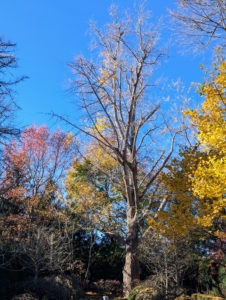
{"type": "Point", "coordinates": [97, 257]}
{"type": "Point", "coordinates": [200, 22]}
{"type": "Point", "coordinates": [8, 106]}
{"type": "Point", "coordinates": [46, 250]}
{"type": "Point", "coordinates": [94, 188]}
{"type": "Point", "coordinates": [123, 118]}
{"type": "Point", "coordinates": [33, 184]}
{"type": "Point", "coordinates": [170, 263]}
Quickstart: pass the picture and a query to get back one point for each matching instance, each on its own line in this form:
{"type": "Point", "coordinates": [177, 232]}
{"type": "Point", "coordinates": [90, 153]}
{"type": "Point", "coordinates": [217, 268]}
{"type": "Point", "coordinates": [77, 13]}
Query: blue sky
{"type": "Point", "coordinates": [51, 33]}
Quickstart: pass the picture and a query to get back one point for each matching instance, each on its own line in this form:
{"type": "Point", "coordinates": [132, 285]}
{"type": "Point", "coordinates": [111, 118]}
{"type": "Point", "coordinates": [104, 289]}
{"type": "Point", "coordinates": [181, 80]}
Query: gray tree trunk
{"type": "Point", "coordinates": [131, 269]}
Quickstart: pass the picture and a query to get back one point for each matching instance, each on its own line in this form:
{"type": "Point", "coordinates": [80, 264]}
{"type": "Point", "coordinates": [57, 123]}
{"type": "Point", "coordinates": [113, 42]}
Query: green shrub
{"type": "Point", "coordinates": [134, 292]}
{"type": "Point", "coordinates": [222, 280]}
{"type": "Point", "coordinates": [205, 297]}
{"type": "Point", "coordinates": [143, 293]}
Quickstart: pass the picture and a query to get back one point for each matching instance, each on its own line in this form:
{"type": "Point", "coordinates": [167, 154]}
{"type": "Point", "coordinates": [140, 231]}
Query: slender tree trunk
{"type": "Point", "coordinates": [131, 269]}
{"type": "Point", "coordinates": [92, 242]}
{"type": "Point", "coordinates": [166, 273]}
{"type": "Point", "coordinates": [36, 273]}
{"type": "Point", "coordinates": [51, 251]}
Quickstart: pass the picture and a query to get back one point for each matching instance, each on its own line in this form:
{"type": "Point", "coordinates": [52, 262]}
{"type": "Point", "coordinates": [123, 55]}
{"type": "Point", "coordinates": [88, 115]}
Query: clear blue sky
{"type": "Point", "coordinates": [51, 33]}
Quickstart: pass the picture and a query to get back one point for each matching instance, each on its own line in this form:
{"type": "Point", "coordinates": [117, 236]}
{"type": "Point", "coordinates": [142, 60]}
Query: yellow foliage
{"type": "Point", "coordinates": [178, 220]}
{"type": "Point", "coordinates": [100, 125]}
{"type": "Point", "coordinates": [69, 139]}
{"type": "Point", "coordinates": [205, 297]}
{"type": "Point", "coordinates": [86, 186]}
{"type": "Point", "coordinates": [101, 158]}
{"type": "Point", "coordinates": [108, 70]}
{"type": "Point", "coordinates": [209, 178]}
{"type": "Point", "coordinates": [196, 183]}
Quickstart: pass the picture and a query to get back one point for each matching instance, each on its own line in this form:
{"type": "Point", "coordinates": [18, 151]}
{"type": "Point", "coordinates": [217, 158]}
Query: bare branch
{"type": "Point", "coordinates": [200, 22]}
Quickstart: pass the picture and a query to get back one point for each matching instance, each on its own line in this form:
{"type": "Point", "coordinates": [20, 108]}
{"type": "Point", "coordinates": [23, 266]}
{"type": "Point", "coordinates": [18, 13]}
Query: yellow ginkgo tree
{"type": "Point", "coordinates": [209, 178]}
{"type": "Point", "coordinates": [178, 220]}
{"type": "Point", "coordinates": [196, 180]}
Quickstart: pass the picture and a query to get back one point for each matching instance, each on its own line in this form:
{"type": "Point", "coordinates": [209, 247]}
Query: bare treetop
{"type": "Point", "coordinates": [118, 87]}
{"type": "Point", "coordinates": [8, 61]}
{"type": "Point", "coordinates": [8, 81]}
{"type": "Point", "coordinates": [200, 22]}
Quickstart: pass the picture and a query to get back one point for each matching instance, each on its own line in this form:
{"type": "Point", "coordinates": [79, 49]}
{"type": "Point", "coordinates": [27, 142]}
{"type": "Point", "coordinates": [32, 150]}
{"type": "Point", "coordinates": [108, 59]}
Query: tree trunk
{"type": "Point", "coordinates": [36, 274]}
{"type": "Point", "coordinates": [131, 269]}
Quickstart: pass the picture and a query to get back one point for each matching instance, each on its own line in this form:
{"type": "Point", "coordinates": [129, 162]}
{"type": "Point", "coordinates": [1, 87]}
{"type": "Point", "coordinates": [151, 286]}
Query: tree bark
{"type": "Point", "coordinates": [131, 270]}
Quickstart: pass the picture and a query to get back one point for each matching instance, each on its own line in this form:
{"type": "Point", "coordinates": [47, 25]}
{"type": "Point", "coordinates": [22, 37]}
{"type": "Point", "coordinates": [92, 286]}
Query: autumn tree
{"type": "Point", "coordinates": [179, 220]}
{"type": "Point", "coordinates": [34, 224]}
{"type": "Point", "coordinates": [122, 120]}
{"type": "Point", "coordinates": [32, 197]}
{"type": "Point", "coordinates": [195, 181]}
{"type": "Point", "coordinates": [200, 22]}
{"type": "Point", "coordinates": [208, 182]}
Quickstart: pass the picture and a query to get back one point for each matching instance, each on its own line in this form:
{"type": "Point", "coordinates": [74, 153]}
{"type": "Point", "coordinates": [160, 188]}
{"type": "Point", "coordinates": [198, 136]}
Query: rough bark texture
{"type": "Point", "coordinates": [131, 269]}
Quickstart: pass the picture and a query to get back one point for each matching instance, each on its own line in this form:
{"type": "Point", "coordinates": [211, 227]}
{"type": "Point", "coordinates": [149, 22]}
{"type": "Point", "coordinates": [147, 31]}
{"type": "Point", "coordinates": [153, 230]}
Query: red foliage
{"type": "Point", "coordinates": [33, 177]}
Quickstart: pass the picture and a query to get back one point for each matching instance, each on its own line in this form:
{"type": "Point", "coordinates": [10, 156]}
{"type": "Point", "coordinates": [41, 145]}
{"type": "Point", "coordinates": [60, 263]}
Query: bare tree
{"type": "Point", "coordinates": [200, 22]}
{"type": "Point", "coordinates": [46, 249]}
{"type": "Point", "coordinates": [120, 90]}
{"type": "Point", "coordinates": [8, 109]}
{"type": "Point", "coordinates": [170, 261]}
{"type": "Point", "coordinates": [8, 106]}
